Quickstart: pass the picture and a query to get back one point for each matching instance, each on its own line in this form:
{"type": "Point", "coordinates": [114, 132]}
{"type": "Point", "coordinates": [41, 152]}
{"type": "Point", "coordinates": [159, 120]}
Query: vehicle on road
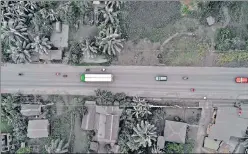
{"type": "Point", "coordinates": [87, 70]}
{"type": "Point", "coordinates": [241, 79]}
{"type": "Point", "coordinates": [161, 78]}
{"type": "Point", "coordinates": [185, 78]}
{"type": "Point", "coordinates": [192, 89]}
{"type": "Point", "coordinates": [204, 97]}
{"type": "Point", "coordinates": [20, 74]}
{"type": "Point", "coordinates": [103, 69]}
{"type": "Point", "coordinates": [96, 77]}
{"type": "Point", "coordinates": [57, 73]}
{"type": "Point", "coordinates": [65, 75]}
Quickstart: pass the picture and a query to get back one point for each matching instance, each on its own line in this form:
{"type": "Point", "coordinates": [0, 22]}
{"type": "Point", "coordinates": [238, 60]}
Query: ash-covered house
{"type": "Point", "coordinates": [226, 129]}
{"type": "Point", "coordinates": [59, 39]}
{"type": "Point", "coordinates": [104, 120]}
{"type": "Point", "coordinates": [38, 128]}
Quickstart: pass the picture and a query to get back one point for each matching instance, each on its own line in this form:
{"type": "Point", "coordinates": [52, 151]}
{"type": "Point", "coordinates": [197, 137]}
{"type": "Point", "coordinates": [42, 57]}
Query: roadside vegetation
{"type": "Point", "coordinates": [27, 27]}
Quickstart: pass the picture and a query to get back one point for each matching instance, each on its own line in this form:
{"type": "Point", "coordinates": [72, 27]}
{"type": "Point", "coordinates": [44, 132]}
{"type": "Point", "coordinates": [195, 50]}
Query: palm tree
{"type": "Point", "coordinates": [41, 45]}
{"type": "Point", "coordinates": [14, 31]}
{"type": "Point", "coordinates": [110, 41]}
{"type": "Point", "coordinates": [142, 108]}
{"type": "Point", "coordinates": [88, 48]}
{"type": "Point", "coordinates": [144, 134]}
{"type": "Point", "coordinates": [109, 16]}
{"type": "Point", "coordinates": [113, 5]}
{"type": "Point", "coordinates": [20, 53]}
{"type": "Point", "coordinates": [245, 143]}
{"type": "Point", "coordinates": [57, 147]}
{"type": "Point", "coordinates": [156, 150]}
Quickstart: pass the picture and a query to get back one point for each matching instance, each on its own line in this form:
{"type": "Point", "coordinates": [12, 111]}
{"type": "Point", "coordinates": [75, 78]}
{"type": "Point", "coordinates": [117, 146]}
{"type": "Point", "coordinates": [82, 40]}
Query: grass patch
{"type": "Point", "coordinates": [5, 127]}
{"type": "Point", "coordinates": [61, 126]}
{"type": "Point", "coordinates": [148, 19]}
{"type": "Point", "coordinates": [185, 51]}
{"type": "Point", "coordinates": [224, 58]}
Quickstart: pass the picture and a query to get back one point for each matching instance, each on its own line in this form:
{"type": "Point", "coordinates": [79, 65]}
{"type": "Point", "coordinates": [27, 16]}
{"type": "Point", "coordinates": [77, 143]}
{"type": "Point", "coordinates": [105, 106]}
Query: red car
{"type": "Point", "coordinates": [241, 80]}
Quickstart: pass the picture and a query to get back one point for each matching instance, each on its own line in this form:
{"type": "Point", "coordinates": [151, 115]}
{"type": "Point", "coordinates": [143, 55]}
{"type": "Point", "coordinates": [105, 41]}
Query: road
{"type": "Point", "coordinates": [212, 82]}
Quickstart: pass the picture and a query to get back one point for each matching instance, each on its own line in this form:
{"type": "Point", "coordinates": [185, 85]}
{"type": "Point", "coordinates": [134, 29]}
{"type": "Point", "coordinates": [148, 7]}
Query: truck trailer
{"type": "Point", "coordinates": [96, 77]}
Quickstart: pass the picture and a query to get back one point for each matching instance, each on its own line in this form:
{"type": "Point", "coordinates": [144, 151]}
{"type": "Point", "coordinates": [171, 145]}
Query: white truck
{"type": "Point", "coordinates": [96, 77]}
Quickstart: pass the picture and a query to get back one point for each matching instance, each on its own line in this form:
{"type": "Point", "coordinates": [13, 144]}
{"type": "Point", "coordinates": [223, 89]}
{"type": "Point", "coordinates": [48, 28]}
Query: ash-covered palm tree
{"type": "Point", "coordinates": [88, 48]}
{"type": "Point", "coordinates": [41, 45]}
{"type": "Point", "coordinates": [113, 5]}
{"type": "Point", "coordinates": [109, 16]}
{"type": "Point", "coordinates": [14, 31]}
{"type": "Point", "coordinates": [57, 146]}
{"type": "Point", "coordinates": [142, 108]}
{"type": "Point", "coordinates": [110, 41]}
{"type": "Point", "coordinates": [144, 134]}
{"type": "Point", "coordinates": [21, 53]}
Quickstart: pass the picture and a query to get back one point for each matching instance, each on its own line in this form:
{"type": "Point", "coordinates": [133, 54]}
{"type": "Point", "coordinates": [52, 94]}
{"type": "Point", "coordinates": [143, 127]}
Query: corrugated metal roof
{"type": "Point", "coordinates": [228, 124]}
{"type": "Point", "coordinates": [37, 128]}
{"type": "Point", "coordinates": [175, 131]}
{"type": "Point", "coordinates": [30, 109]}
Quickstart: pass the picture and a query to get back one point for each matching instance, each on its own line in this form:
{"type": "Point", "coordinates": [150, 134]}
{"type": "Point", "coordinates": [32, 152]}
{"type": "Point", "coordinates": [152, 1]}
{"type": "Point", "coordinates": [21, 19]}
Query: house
{"type": "Point", "coordinates": [60, 40]}
{"type": "Point", "coordinates": [31, 109]}
{"type": "Point", "coordinates": [6, 142]}
{"type": "Point", "coordinates": [228, 123]}
{"type": "Point", "coordinates": [175, 131]}
{"type": "Point", "coordinates": [228, 126]}
{"type": "Point", "coordinates": [52, 55]}
{"type": "Point", "coordinates": [38, 128]}
{"type": "Point", "coordinates": [104, 120]}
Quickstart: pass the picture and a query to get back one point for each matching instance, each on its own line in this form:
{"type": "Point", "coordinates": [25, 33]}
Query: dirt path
{"type": "Point", "coordinates": [81, 141]}
{"type": "Point", "coordinates": [206, 116]}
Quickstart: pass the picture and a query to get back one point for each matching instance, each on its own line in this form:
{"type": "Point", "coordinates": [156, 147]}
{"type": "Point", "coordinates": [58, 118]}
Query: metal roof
{"type": "Point", "coordinates": [38, 128]}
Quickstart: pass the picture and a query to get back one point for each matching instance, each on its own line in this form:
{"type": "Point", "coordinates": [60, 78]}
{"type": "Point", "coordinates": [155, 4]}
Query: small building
{"type": "Point", "coordinates": [38, 128]}
{"type": "Point", "coordinates": [229, 126]}
{"type": "Point", "coordinates": [6, 144]}
{"type": "Point", "coordinates": [94, 146]}
{"type": "Point", "coordinates": [88, 120]}
{"type": "Point", "coordinates": [175, 131]}
{"type": "Point", "coordinates": [104, 120]}
{"type": "Point", "coordinates": [211, 144]}
{"type": "Point", "coordinates": [31, 109]}
{"type": "Point", "coordinates": [52, 55]}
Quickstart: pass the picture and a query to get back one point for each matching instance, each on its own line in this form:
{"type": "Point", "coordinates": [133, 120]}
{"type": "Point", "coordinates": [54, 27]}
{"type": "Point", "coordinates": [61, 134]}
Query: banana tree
{"type": "Point", "coordinates": [110, 41]}
{"type": "Point", "coordinates": [21, 53]}
{"type": "Point", "coordinates": [57, 146]}
{"type": "Point", "coordinates": [41, 45]}
{"type": "Point", "coordinates": [88, 48]}
{"type": "Point", "coordinates": [14, 31]}
{"type": "Point", "coordinates": [144, 134]}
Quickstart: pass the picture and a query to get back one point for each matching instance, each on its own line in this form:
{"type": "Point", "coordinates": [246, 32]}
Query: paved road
{"type": "Point", "coordinates": [215, 83]}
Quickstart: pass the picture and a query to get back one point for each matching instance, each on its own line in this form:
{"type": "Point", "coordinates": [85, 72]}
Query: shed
{"type": "Point", "coordinates": [211, 144]}
{"type": "Point", "coordinates": [30, 109]}
{"type": "Point", "coordinates": [88, 120]}
{"type": "Point", "coordinates": [52, 55]}
{"type": "Point", "coordinates": [175, 131]}
{"type": "Point", "coordinates": [38, 128]}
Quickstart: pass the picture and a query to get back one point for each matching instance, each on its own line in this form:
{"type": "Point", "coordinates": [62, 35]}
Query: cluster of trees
{"type": "Point", "coordinates": [21, 35]}
{"type": "Point", "coordinates": [227, 40]}
{"type": "Point", "coordinates": [109, 40]}
{"type": "Point", "coordinates": [10, 110]}
{"type": "Point", "coordinates": [139, 130]}
{"type": "Point", "coordinates": [105, 97]}
{"type": "Point", "coordinates": [26, 28]}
